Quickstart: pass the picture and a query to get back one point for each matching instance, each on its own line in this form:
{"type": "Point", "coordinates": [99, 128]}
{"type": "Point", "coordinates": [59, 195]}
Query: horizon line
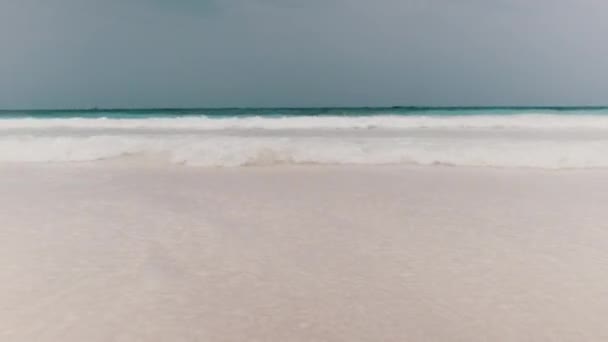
{"type": "Point", "coordinates": [412, 107]}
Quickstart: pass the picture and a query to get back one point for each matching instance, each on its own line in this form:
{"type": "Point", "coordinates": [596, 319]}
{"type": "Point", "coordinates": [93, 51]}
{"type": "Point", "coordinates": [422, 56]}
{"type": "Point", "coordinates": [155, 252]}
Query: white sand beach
{"type": "Point", "coordinates": [119, 251]}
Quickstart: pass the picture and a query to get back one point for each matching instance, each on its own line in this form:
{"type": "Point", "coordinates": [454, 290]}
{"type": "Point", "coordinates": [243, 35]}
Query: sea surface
{"type": "Point", "coordinates": [531, 137]}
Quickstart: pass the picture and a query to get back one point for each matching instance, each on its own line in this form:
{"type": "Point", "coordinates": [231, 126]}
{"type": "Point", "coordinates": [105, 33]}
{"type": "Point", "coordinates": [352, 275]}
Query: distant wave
{"type": "Point", "coordinates": [526, 140]}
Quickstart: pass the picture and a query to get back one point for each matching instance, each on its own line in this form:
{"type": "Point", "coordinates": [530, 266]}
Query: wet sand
{"type": "Point", "coordinates": [143, 252]}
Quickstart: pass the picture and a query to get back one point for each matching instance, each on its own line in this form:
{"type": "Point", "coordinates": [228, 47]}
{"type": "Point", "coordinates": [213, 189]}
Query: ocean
{"type": "Point", "coordinates": [531, 137]}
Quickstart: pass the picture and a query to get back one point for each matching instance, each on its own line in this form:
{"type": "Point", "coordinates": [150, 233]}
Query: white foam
{"type": "Point", "coordinates": [238, 151]}
{"type": "Point", "coordinates": [547, 141]}
{"type": "Point", "coordinates": [523, 121]}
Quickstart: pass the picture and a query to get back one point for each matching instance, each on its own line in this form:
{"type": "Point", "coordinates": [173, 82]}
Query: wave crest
{"type": "Point", "coordinates": [519, 121]}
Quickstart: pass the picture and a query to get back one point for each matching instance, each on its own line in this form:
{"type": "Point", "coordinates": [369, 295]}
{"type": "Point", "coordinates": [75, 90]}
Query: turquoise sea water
{"type": "Point", "coordinates": [295, 112]}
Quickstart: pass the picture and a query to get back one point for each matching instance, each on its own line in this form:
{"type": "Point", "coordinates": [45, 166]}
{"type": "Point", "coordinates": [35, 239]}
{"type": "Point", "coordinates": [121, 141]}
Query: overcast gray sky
{"type": "Point", "coordinates": [187, 53]}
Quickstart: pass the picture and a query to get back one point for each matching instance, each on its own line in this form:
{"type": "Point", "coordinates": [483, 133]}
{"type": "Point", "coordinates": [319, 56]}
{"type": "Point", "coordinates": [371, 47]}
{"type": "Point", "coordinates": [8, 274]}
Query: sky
{"type": "Point", "coordinates": [302, 53]}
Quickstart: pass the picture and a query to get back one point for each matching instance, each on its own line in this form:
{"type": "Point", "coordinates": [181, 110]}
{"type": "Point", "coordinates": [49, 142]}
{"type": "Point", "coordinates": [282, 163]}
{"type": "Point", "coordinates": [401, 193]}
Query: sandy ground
{"type": "Point", "coordinates": [113, 252]}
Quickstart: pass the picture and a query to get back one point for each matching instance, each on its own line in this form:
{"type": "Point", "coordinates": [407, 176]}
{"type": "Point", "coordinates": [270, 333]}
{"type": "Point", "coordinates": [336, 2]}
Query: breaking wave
{"type": "Point", "coordinates": [538, 141]}
{"type": "Point", "coordinates": [523, 121]}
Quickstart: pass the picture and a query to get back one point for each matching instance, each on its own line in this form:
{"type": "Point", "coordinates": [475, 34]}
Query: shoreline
{"type": "Point", "coordinates": [162, 162]}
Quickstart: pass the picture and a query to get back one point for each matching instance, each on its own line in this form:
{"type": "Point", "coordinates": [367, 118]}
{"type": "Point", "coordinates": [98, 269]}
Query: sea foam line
{"type": "Point", "coordinates": [241, 151]}
{"type": "Point", "coordinates": [519, 121]}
